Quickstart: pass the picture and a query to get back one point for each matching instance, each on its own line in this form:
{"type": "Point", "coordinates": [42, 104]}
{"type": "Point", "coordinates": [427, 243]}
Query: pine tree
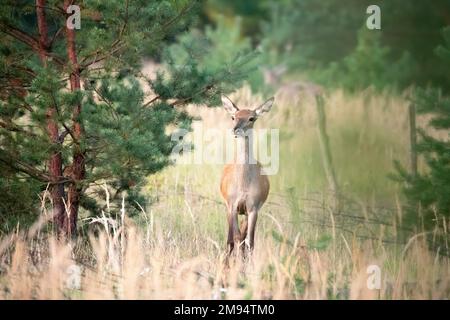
{"type": "Point", "coordinates": [73, 112]}
{"type": "Point", "coordinates": [428, 192]}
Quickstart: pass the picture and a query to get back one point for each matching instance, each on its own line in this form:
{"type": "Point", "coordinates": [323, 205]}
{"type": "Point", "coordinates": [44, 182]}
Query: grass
{"type": "Point", "coordinates": [304, 249]}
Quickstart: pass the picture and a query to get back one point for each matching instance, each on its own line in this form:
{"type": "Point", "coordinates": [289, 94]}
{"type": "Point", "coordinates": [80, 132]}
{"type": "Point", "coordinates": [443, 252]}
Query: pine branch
{"type": "Point", "coordinates": [188, 99]}
{"type": "Point", "coordinates": [115, 47]}
{"type": "Point", "coordinates": [151, 101]}
{"type": "Point", "coordinates": [62, 136]}
{"type": "Point", "coordinates": [112, 48]}
{"type": "Point", "coordinates": [19, 35]}
{"type": "Point", "coordinates": [30, 41]}
{"type": "Point", "coordinates": [126, 20]}
{"type": "Point", "coordinates": [183, 11]}
{"type": "Point", "coordinates": [18, 165]}
{"type": "Point", "coordinates": [57, 33]}
{"type": "Point", "coordinates": [13, 127]}
{"type": "Point", "coordinates": [108, 103]}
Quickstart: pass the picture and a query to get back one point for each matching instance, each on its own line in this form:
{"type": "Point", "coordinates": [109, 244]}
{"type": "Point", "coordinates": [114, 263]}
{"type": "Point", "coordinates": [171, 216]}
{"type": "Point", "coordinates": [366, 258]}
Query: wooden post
{"type": "Point", "coordinates": [325, 147]}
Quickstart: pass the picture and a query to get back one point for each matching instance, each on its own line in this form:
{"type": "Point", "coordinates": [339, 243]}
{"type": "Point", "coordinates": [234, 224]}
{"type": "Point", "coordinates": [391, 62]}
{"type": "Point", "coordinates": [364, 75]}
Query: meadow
{"type": "Point", "coordinates": [305, 247]}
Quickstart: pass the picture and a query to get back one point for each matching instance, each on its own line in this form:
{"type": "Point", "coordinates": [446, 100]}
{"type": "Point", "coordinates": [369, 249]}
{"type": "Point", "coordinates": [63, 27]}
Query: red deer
{"type": "Point", "coordinates": [243, 186]}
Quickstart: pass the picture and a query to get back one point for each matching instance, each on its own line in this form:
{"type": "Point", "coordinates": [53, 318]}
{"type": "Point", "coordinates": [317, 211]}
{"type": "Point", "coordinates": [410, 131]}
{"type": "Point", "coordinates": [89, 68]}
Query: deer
{"type": "Point", "coordinates": [289, 90]}
{"type": "Point", "coordinates": [244, 186]}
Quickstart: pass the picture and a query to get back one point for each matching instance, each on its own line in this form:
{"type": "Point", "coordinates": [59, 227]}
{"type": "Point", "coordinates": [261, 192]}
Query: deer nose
{"type": "Point", "coordinates": [238, 131]}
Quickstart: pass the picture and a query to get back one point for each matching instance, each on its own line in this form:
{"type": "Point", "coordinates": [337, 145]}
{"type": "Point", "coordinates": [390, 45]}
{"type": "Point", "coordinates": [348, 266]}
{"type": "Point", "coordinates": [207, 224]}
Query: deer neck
{"type": "Point", "coordinates": [245, 163]}
{"type": "Point", "coordinates": [244, 153]}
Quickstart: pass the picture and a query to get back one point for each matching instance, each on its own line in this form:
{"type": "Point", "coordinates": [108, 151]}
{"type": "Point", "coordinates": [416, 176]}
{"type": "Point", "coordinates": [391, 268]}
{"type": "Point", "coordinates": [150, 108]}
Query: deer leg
{"type": "Point", "coordinates": [243, 231]}
{"type": "Point", "coordinates": [250, 238]}
{"type": "Point", "coordinates": [233, 230]}
{"type": "Point", "coordinates": [244, 227]}
{"type": "Point", "coordinates": [230, 241]}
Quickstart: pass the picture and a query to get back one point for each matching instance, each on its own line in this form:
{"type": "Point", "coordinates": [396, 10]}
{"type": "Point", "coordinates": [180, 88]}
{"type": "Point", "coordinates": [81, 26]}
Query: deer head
{"type": "Point", "coordinates": [244, 119]}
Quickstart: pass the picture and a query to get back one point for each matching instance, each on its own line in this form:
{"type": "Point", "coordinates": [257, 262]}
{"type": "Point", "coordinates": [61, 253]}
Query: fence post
{"type": "Point", "coordinates": [325, 147]}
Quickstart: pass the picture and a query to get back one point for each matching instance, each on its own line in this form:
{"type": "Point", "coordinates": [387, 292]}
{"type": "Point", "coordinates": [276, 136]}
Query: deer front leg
{"type": "Point", "coordinates": [233, 230]}
{"type": "Point", "coordinates": [243, 231]}
{"type": "Point", "coordinates": [250, 238]}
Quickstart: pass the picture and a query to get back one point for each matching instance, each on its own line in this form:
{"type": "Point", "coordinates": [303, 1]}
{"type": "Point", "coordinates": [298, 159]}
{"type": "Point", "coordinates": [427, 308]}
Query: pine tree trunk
{"type": "Point", "coordinates": [56, 189]}
{"type": "Point", "coordinates": [78, 163]}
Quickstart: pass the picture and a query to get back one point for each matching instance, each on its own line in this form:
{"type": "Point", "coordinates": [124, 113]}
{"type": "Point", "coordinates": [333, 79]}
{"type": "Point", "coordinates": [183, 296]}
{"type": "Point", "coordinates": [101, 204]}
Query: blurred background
{"type": "Point", "coordinates": [329, 43]}
{"type": "Point", "coordinates": [384, 98]}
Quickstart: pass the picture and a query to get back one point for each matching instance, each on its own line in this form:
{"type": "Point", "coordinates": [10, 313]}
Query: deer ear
{"type": "Point", "coordinates": [265, 107]}
{"type": "Point", "coordinates": [229, 105]}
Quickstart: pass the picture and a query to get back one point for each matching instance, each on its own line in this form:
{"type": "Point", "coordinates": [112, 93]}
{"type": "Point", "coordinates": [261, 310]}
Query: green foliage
{"type": "Point", "coordinates": [252, 12]}
{"type": "Point", "coordinates": [17, 201]}
{"type": "Point", "coordinates": [428, 192]}
{"type": "Point", "coordinates": [128, 141]}
{"type": "Point", "coordinates": [218, 58]}
{"type": "Point", "coordinates": [126, 133]}
{"type": "Point", "coordinates": [322, 41]}
{"type": "Point", "coordinates": [281, 238]}
{"type": "Point", "coordinates": [321, 243]}
{"type": "Point", "coordinates": [366, 66]}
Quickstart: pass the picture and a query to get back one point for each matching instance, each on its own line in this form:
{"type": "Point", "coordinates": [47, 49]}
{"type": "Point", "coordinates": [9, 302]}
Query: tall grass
{"type": "Point", "coordinates": [126, 261]}
{"type": "Point", "coordinates": [303, 249]}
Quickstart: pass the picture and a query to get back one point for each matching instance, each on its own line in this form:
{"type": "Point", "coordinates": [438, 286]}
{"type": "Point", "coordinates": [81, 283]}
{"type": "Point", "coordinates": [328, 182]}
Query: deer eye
{"type": "Point", "coordinates": [251, 119]}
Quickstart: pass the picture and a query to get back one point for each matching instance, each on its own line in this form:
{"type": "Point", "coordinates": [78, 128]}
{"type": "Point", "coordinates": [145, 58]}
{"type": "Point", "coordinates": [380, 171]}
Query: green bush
{"type": "Point", "coordinates": [428, 192]}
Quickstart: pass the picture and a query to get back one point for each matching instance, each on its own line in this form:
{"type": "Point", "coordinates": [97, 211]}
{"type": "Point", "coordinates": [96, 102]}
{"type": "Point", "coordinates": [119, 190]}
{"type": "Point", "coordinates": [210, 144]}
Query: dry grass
{"type": "Point", "coordinates": [130, 262]}
{"type": "Point", "coordinates": [304, 249]}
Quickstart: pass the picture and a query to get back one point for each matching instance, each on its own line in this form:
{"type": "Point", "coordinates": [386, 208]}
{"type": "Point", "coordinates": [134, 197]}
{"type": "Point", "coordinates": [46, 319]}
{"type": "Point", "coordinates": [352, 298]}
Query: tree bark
{"type": "Point", "coordinates": [56, 189]}
{"type": "Point", "coordinates": [78, 162]}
